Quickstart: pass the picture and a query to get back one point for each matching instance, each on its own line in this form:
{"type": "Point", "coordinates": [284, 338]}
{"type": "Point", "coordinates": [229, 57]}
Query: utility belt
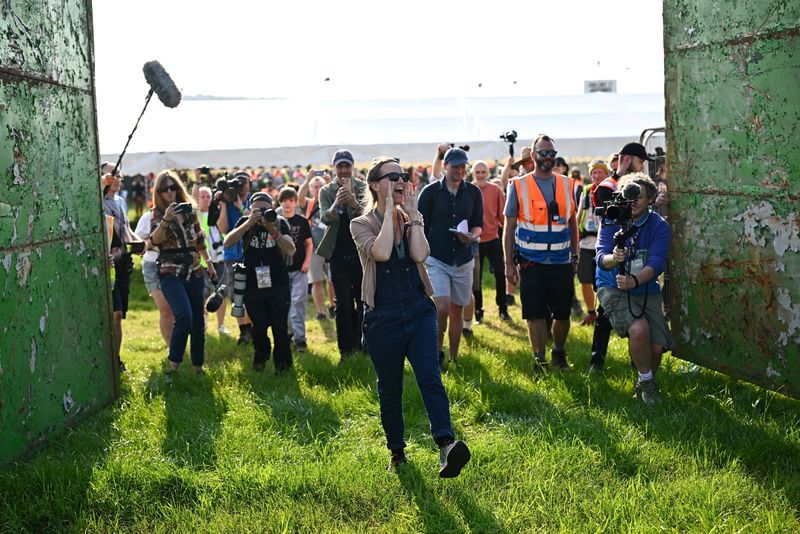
{"type": "Point", "coordinates": [180, 258]}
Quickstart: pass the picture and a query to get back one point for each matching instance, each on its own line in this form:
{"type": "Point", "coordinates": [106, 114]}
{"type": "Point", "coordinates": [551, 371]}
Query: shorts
{"type": "Point", "coordinates": [451, 281]}
{"type": "Point", "coordinates": [615, 304]}
{"type": "Point", "coordinates": [318, 270]}
{"type": "Point", "coordinates": [545, 288]}
{"type": "Point", "coordinates": [150, 275]}
{"type": "Point", "coordinates": [227, 277]}
{"type": "Point", "coordinates": [586, 266]}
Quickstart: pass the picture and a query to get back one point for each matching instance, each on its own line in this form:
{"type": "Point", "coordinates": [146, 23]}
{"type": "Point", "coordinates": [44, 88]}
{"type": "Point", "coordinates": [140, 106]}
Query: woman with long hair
{"type": "Point", "coordinates": [175, 229]}
{"type": "Point", "coordinates": [400, 317]}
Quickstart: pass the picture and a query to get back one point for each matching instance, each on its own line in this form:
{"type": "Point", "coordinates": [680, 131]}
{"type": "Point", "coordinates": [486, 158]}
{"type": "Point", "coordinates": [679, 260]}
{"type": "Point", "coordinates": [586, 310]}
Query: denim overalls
{"type": "Point", "coordinates": [403, 325]}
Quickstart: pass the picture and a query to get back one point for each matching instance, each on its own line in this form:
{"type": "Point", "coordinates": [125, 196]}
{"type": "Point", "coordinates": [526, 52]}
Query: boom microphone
{"type": "Point", "coordinates": [161, 84]}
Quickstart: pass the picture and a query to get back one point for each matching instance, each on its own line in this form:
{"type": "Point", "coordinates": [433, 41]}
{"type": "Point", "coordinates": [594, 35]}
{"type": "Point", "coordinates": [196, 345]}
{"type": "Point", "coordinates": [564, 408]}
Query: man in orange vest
{"type": "Point", "coordinates": [541, 249]}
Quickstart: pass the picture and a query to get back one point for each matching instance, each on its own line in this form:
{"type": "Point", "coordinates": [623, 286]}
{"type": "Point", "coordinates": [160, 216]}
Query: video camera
{"type": "Point", "coordinates": [619, 211]}
{"type": "Point", "coordinates": [226, 189]}
{"type": "Point", "coordinates": [510, 137]}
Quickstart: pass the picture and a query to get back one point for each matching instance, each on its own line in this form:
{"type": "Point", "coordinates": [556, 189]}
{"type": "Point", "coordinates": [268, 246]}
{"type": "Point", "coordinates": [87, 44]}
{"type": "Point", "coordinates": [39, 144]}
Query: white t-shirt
{"type": "Point", "coordinates": [143, 231]}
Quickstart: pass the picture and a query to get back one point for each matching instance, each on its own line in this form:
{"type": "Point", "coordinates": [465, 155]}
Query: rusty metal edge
{"type": "Point", "coordinates": [738, 41]}
{"type": "Point", "coordinates": [9, 73]}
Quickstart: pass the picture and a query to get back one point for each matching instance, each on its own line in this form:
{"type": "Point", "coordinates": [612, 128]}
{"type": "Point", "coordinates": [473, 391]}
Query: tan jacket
{"type": "Point", "coordinates": [365, 230]}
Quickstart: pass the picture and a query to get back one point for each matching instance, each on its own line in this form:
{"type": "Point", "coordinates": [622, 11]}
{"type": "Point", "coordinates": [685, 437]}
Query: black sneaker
{"type": "Point", "coordinates": [321, 317]}
{"type": "Point", "coordinates": [452, 459]}
{"type": "Point", "coordinates": [478, 316]}
{"type": "Point", "coordinates": [596, 364]}
{"type": "Point", "coordinates": [648, 391]}
{"type": "Point", "coordinates": [398, 458]}
{"type": "Point", "coordinates": [301, 346]}
{"type": "Point", "coordinates": [558, 359]}
{"type": "Point", "coordinates": [504, 316]}
{"type": "Point", "coordinates": [245, 338]}
{"type": "Point", "coordinates": [539, 366]}
{"type": "Point", "coordinates": [467, 333]}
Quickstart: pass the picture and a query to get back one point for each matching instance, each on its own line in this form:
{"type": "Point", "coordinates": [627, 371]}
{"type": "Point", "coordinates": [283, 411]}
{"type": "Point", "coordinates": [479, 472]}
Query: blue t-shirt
{"type": "Point", "coordinates": [233, 213]}
{"type": "Point", "coordinates": [648, 247]}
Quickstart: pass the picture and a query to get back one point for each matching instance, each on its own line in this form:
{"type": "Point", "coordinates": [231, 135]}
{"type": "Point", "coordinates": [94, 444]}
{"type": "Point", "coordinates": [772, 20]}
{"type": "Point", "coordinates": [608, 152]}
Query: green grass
{"type": "Point", "coordinates": [234, 450]}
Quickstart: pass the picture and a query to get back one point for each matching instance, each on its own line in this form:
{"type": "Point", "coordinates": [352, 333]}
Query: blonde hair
{"type": "Point", "coordinates": [158, 187]}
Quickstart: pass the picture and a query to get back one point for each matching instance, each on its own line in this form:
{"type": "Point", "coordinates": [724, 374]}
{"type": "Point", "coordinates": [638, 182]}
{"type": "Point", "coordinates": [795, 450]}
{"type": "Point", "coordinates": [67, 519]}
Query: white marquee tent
{"type": "Point", "coordinates": [263, 132]}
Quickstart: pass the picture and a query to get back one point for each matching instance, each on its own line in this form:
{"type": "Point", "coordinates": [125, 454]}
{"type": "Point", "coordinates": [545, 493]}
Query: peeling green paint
{"type": "Point", "coordinates": [732, 85]}
{"type": "Point", "coordinates": [55, 363]}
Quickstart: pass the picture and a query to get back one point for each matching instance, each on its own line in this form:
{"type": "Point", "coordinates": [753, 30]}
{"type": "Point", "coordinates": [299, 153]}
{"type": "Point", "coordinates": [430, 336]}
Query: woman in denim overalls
{"type": "Point", "coordinates": [400, 317]}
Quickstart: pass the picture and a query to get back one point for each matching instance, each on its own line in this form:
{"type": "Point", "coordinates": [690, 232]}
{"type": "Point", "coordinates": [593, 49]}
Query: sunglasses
{"type": "Point", "coordinates": [171, 187]}
{"type": "Point", "coordinates": [547, 153]}
{"type": "Point", "coordinates": [395, 176]}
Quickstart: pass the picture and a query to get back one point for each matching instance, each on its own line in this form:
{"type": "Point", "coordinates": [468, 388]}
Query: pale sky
{"type": "Point", "coordinates": [370, 49]}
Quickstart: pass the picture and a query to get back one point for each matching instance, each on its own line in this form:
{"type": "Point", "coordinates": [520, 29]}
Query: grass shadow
{"type": "Point", "coordinates": [434, 517]}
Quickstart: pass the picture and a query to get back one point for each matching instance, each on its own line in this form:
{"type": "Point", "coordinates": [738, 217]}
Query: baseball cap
{"type": "Point", "coordinates": [635, 149]}
{"type": "Point", "coordinates": [456, 156]}
{"type": "Point", "coordinates": [342, 156]}
{"type": "Point", "coordinates": [525, 155]}
{"type": "Point", "coordinates": [261, 197]}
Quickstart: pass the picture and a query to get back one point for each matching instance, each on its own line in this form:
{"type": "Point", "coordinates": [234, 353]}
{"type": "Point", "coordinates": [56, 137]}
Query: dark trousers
{"type": "Point", "coordinates": [392, 334]}
{"type": "Point", "coordinates": [493, 251]}
{"type": "Point", "coordinates": [271, 311]}
{"type": "Point", "coordinates": [185, 299]}
{"type": "Point", "coordinates": [346, 278]}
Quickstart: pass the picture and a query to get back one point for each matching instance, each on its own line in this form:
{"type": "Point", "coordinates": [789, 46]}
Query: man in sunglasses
{"type": "Point", "coordinates": [541, 249]}
{"type": "Point", "coordinates": [452, 210]}
{"type": "Point", "coordinates": [340, 202]}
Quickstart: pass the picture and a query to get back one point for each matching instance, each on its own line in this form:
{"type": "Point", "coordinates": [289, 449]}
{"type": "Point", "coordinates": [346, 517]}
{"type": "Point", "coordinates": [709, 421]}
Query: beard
{"type": "Point", "coordinates": [545, 164]}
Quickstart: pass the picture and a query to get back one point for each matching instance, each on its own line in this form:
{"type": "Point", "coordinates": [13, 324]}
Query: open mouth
{"type": "Point", "coordinates": [399, 190]}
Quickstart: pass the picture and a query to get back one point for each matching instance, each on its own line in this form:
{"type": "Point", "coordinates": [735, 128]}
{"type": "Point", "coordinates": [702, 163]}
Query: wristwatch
{"type": "Point", "coordinates": [573, 258]}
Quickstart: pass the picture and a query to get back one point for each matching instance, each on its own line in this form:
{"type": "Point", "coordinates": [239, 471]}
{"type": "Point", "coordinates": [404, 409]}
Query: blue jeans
{"type": "Point", "coordinates": [185, 298]}
{"type": "Point", "coordinates": [403, 325]}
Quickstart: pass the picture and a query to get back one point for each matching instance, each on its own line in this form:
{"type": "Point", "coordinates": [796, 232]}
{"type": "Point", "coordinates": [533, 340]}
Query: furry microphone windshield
{"type": "Point", "coordinates": [162, 84]}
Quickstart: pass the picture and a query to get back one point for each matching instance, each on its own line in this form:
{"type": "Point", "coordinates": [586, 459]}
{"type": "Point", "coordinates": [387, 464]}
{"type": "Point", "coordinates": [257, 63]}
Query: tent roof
{"type": "Point", "coordinates": [244, 132]}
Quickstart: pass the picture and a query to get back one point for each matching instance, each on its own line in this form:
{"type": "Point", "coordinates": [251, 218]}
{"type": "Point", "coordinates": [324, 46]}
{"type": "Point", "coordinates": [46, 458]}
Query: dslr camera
{"type": "Point", "coordinates": [510, 137]}
{"type": "Point", "coordinates": [225, 190]}
{"type": "Point", "coordinates": [185, 208]}
{"type": "Point", "coordinates": [268, 214]}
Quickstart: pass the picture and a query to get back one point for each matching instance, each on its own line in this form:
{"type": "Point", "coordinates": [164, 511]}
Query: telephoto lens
{"type": "Point", "coordinates": [239, 285]}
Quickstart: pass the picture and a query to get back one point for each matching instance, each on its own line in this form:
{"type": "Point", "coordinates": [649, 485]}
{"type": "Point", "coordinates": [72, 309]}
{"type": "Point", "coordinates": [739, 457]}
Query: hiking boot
{"type": "Point", "coordinates": [467, 333]}
{"type": "Point", "coordinates": [452, 458]}
{"type": "Point", "coordinates": [245, 338]}
{"type": "Point", "coordinates": [649, 392]}
{"type": "Point", "coordinates": [589, 319]}
{"type": "Point", "coordinates": [398, 458]}
{"type": "Point", "coordinates": [504, 316]}
{"type": "Point", "coordinates": [558, 359]}
{"type": "Point", "coordinates": [478, 316]}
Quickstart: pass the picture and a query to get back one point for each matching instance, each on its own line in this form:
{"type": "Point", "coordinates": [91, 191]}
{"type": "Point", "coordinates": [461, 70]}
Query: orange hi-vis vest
{"type": "Point", "coordinates": [610, 182]}
{"type": "Point", "coordinates": [540, 238]}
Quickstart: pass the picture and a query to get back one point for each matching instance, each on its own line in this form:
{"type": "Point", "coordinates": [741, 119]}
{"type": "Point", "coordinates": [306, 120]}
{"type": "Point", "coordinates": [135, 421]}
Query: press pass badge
{"type": "Point", "coordinates": [637, 263]}
{"type": "Point", "coordinates": [263, 277]}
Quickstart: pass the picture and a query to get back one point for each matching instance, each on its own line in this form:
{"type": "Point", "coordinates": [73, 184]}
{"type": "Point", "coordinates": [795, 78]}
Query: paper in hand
{"type": "Point", "coordinates": [462, 228]}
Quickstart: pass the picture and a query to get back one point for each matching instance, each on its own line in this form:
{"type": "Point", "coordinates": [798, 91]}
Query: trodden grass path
{"type": "Point", "coordinates": [233, 450]}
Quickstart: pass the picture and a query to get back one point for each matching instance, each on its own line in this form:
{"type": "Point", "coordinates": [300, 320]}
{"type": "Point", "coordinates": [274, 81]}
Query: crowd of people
{"type": "Point", "coordinates": [403, 264]}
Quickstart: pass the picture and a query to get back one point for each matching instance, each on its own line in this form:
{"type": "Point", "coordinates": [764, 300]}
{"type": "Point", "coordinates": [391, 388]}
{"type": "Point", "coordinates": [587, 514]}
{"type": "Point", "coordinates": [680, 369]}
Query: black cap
{"type": "Point", "coordinates": [635, 149]}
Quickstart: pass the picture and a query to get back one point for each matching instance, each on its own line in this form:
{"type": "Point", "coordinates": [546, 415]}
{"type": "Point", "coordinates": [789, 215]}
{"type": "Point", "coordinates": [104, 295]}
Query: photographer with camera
{"type": "Point", "coordinates": [121, 257]}
{"type": "Point", "coordinates": [630, 159]}
{"type": "Point", "coordinates": [631, 254]}
{"type": "Point", "coordinates": [400, 319]}
{"type": "Point", "coordinates": [541, 249]}
{"type": "Point", "coordinates": [266, 241]}
{"type": "Point", "coordinates": [175, 229]}
{"type": "Point", "coordinates": [340, 203]}
{"type": "Point", "coordinates": [214, 247]}
{"type": "Point", "coordinates": [233, 197]}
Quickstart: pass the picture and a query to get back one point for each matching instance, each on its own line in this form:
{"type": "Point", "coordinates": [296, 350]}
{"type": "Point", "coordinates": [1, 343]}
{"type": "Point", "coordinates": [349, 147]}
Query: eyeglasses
{"type": "Point", "coordinates": [547, 153]}
{"type": "Point", "coordinates": [171, 187]}
{"type": "Point", "coordinates": [395, 176]}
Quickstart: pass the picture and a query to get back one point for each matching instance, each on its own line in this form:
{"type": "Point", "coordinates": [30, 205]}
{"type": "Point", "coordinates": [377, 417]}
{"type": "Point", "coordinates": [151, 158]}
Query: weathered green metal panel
{"type": "Point", "coordinates": [54, 308]}
{"type": "Point", "coordinates": [732, 83]}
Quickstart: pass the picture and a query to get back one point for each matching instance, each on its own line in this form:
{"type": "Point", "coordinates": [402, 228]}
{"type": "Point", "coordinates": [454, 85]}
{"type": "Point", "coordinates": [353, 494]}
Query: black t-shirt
{"type": "Point", "coordinates": [261, 250]}
{"type": "Point", "coordinates": [345, 246]}
{"type": "Point", "coordinates": [300, 231]}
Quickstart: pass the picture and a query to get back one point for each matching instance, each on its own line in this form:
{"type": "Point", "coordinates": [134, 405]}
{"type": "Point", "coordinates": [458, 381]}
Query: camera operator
{"type": "Point", "coordinates": [632, 300]}
{"type": "Point", "coordinates": [176, 231]}
{"type": "Point", "coordinates": [630, 159]}
{"type": "Point", "coordinates": [123, 262]}
{"type": "Point", "coordinates": [400, 319]}
{"type": "Point", "coordinates": [340, 203]}
{"type": "Point", "coordinates": [214, 248]}
{"type": "Point", "coordinates": [541, 249]}
{"type": "Point", "coordinates": [266, 242]}
{"type": "Point", "coordinates": [234, 203]}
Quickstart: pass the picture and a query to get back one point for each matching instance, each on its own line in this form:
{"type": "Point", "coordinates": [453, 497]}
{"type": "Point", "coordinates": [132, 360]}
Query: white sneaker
{"type": "Point", "coordinates": [222, 330]}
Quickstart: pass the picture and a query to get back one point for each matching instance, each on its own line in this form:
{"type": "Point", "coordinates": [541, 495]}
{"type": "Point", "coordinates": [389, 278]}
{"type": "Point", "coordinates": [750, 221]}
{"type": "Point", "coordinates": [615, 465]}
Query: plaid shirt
{"type": "Point", "coordinates": [184, 232]}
